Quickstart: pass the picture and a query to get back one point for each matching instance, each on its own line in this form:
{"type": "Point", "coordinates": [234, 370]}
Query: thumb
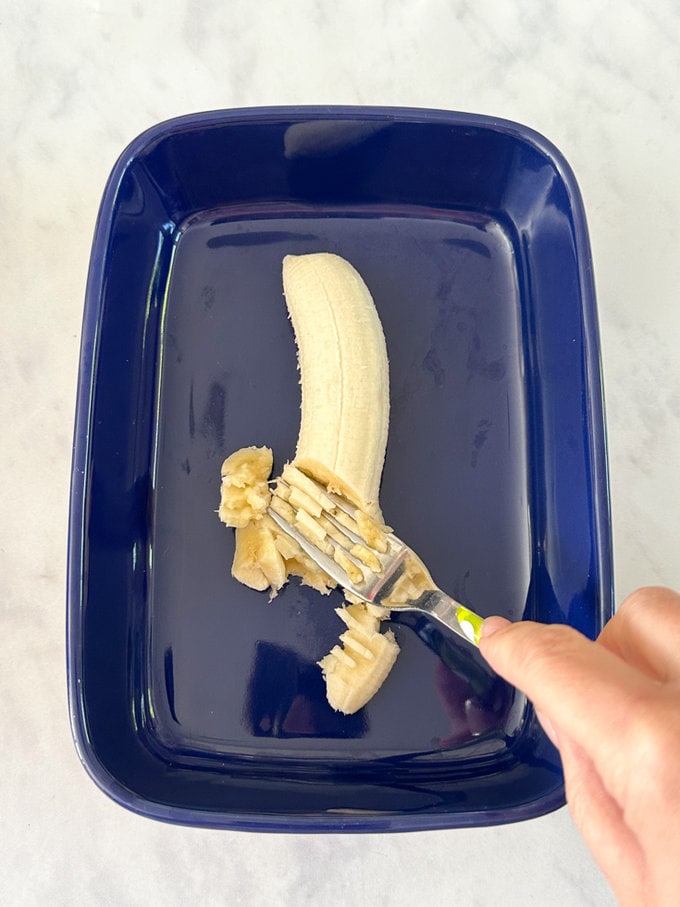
{"type": "Point", "coordinates": [490, 626]}
{"type": "Point", "coordinates": [574, 682]}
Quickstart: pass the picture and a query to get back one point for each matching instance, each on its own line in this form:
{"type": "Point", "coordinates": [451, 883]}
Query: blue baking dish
{"type": "Point", "coordinates": [196, 700]}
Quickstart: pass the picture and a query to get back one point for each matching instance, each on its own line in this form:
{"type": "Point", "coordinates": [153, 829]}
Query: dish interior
{"type": "Point", "coordinates": [231, 672]}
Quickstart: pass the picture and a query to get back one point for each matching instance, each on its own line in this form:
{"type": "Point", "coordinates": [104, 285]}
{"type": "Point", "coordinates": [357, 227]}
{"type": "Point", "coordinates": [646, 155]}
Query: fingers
{"type": "Point", "coordinates": [599, 818]}
{"type": "Point", "coordinates": [645, 632]}
{"type": "Point", "coordinates": [583, 689]}
{"type": "Point", "coordinates": [612, 708]}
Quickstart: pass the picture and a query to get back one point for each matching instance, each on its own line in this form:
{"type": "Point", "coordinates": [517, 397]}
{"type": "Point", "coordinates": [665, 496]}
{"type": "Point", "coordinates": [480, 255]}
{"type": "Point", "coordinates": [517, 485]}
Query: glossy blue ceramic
{"type": "Point", "coordinates": [196, 700]}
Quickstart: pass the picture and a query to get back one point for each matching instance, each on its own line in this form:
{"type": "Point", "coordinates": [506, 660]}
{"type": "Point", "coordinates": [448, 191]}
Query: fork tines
{"type": "Point", "coordinates": [333, 526]}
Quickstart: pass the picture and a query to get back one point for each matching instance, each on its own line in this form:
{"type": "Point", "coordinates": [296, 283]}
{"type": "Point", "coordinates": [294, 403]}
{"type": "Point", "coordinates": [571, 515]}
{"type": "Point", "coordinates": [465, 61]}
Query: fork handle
{"type": "Point", "coordinates": [453, 615]}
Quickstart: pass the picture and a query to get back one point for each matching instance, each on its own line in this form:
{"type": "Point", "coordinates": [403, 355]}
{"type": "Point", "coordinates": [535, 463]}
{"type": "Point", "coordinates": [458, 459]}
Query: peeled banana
{"type": "Point", "coordinates": [344, 376]}
{"type": "Point", "coordinates": [343, 366]}
{"type": "Point", "coordinates": [355, 672]}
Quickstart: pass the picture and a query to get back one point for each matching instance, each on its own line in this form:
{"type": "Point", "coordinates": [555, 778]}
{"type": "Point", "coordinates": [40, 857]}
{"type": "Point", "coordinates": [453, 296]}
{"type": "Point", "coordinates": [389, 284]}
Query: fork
{"type": "Point", "coordinates": [402, 583]}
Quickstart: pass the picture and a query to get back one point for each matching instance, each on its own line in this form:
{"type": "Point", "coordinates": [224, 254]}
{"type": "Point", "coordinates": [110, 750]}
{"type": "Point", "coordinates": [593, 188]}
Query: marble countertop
{"type": "Point", "coordinates": [81, 80]}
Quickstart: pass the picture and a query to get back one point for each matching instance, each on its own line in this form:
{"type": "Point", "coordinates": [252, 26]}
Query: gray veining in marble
{"type": "Point", "coordinates": [81, 79]}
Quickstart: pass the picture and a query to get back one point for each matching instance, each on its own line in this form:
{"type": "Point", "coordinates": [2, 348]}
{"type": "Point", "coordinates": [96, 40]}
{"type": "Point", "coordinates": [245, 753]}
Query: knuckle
{"type": "Point", "coordinates": [653, 737]}
{"type": "Point", "coordinates": [648, 597]}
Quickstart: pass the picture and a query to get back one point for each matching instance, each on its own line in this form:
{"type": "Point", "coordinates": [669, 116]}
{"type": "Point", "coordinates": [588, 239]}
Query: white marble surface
{"type": "Point", "coordinates": [80, 79]}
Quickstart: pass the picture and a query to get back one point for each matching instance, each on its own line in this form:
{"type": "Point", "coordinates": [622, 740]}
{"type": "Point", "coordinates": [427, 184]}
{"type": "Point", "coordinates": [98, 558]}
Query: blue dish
{"type": "Point", "coordinates": [195, 700]}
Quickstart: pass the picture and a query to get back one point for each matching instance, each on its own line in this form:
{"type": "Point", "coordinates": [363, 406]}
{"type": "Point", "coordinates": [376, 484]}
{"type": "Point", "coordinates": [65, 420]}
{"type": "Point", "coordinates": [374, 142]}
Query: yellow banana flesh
{"type": "Point", "coordinates": [344, 376]}
{"type": "Point", "coordinates": [342, 359]}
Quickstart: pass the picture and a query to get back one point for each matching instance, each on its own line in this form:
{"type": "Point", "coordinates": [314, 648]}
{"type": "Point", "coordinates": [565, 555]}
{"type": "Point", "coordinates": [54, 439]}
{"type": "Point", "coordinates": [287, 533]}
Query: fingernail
{"type": "Point", "coordinates": [492, 624]}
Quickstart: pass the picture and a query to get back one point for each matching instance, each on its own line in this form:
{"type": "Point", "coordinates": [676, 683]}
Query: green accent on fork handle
{"type": "Point", "coordinates": [470, 623]}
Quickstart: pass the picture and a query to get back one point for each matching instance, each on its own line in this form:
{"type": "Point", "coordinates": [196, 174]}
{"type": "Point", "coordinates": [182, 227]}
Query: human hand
{"type": "Point", "coordinates": [612, 708]}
